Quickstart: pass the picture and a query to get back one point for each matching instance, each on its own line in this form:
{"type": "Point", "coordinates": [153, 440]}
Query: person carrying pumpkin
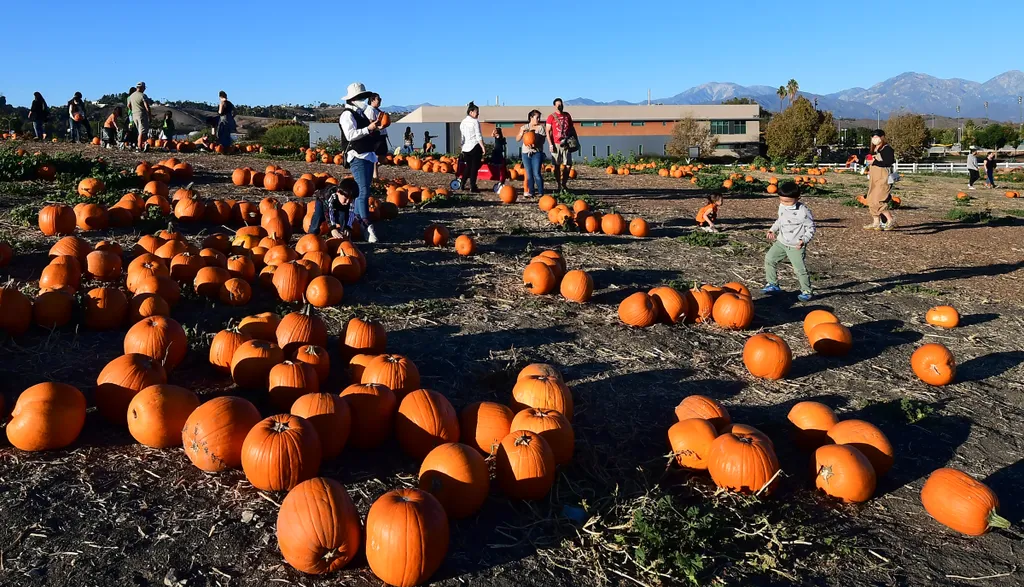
{"type": "Point", "coordinates": [79, 123]}
{"type": "Point", "coordinates": [532, 135]}
{"type": "Point", "coordinates": [360, 135]}
{"type": "Point", "coordinates": [707, 215]}
{"type": "Point", "coordinates": [331, 205]}
{"type": "Point", "coordinates": [167, 128]}
{"type": "Point", "coordinates": [789, 236]}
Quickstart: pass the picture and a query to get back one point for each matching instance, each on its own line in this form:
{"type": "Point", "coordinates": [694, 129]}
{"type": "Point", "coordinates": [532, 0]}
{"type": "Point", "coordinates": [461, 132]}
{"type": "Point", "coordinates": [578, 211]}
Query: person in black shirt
{"type": "Point", "coordinates": [332, 206]}
{"type": "Point", "coordinates": [500, 147]}
{"type": "Point", "coordinates": [428, 147]}
{"type": "Point", "coordinates": [879, 190]}
{"type": "Point", "coordinates": [990, 169]}
{"type": "Point", "coordinates": [226, 120]}
{"type": "Point", "coordinates": [38, 114]}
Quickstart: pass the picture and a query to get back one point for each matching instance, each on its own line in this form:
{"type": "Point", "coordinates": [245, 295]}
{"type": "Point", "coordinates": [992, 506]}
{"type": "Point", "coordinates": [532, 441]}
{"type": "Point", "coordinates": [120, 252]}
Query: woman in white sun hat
{"type": "Point", "coordinates": [361, 137]}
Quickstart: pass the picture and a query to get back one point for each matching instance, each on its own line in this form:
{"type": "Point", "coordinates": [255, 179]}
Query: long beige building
{"type": "Point", "coordinates": [603, 130]}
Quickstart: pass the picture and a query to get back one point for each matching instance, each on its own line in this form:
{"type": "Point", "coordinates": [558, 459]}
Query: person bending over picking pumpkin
{"type": "Point", "coordinates": [332, 206]}
{"type": "Point", "coordinates": [789, 236]}
{"type": "Point", "coordinates": [708, 214]}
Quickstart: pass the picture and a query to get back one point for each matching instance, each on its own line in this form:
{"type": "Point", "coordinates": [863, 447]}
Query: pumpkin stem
{"type": "Point", "coordinates": [997, 521]}
{"type": "Point", "coordinates": [330, 554]}
{"type": "Point", "coordinates": [523, 440]}
{"type": "Point", "coordinates": [281, 426]}
{"type": "Point", "coordinates": [825, 472]}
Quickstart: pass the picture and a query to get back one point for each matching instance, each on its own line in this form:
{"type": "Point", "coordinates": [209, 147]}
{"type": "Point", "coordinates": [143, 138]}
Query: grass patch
{"type": "Point", "coordinates": [445, 201]}
{"type": "Point", "coordinates": [24, 215]}
{"type": "Point", "coordinates": [699, 238]}
{"type": "Point", "coordinates": [969, 216]}
{"type": "Point", "coordinates": [852, 203]}
{"type": "Point", "coordinates": [568, 198]}
{"type": "Point", "coordinates": [1016, 213]}
{"type": "Point", "coordinates": [915, 410]}
{"type": "Point", "coordinates": [917, 289]}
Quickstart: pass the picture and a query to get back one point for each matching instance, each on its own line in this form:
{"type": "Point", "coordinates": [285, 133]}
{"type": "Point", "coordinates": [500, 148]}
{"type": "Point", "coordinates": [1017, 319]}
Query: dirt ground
{"type": "Point", "coordinates": [110, 512]}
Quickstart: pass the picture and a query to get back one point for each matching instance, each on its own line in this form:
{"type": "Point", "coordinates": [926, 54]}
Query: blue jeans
{"type": "Point", "coordinates": [991, 177]}
{"type": "Point", "coordinates": [318, 217]}
{"type": "Point", "coordinates": [37, 128]}
{"type": "Point", "coordinates": [534, 178]}
{"type": "Point", "coordinates": [362, 172]}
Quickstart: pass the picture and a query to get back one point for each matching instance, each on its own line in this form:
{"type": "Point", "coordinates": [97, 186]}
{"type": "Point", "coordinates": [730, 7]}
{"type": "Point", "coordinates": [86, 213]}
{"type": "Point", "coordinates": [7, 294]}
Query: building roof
{"type": "Point", "coordinates": [654, 112]}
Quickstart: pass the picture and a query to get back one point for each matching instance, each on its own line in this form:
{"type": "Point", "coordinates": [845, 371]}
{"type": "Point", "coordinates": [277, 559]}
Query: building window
{"type": "Point", "coordinates": [594, 123]}
{"type": "Point", "coordinates": [503, 124]}
{"type": "Point", "coordinates": [636, 123]}
{"type": "Point", "coordinates": [609, 154]}
{"type": "Point", "coordinates": [640, 149]}
{"type": "Point", "coordinates": [728, 127]}
{"type": "Point", "coordinates": [615, 124]}
{"type": "Point", "coordinates": [594, 154]}
{"type": "Point", "coordinates": [664, 123]}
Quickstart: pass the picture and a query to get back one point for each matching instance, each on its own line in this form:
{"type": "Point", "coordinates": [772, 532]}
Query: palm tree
{"type": "Point", "coordinates": [781, 93]}
{"type": "Point", "coordinates": [792, 87]}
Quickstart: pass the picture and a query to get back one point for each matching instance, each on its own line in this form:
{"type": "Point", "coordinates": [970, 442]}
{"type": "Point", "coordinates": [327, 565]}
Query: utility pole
{"type": "Point", "coordinates": [986, 110]}
{"type": "Point", "coordinates": [1020, 114]}
{"type": "Point", "coordinates": [878, 119]}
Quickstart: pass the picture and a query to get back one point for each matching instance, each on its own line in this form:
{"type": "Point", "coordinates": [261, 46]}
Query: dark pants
{"type": "Point", "coordinates": [37, 128]}
{"type": "Point", "coordinates": [318, 217]}
{"type": "Point", "coordinates": [473, 159]}
{"type": "Point", "coordinates": [991, 177]}
{"type": "Point", "coordinates": [972, 176]}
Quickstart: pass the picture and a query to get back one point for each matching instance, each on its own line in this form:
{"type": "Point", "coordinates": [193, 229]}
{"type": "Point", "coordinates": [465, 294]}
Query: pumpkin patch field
{"type": "Point", "coordinates": [577, 389]}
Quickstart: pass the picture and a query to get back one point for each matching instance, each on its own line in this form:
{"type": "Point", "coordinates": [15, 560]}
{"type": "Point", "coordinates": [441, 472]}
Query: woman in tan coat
{"type": "Point", "coordinates": [883, 159]}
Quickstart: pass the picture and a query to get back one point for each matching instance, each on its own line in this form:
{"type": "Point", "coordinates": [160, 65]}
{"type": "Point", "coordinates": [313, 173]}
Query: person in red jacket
{"type": "Point", "coordinates": [559, 130]}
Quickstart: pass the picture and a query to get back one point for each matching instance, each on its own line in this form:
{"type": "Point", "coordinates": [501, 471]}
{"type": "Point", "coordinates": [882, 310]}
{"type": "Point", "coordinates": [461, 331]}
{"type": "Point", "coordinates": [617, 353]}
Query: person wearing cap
{"type": "Point", "coordinates": [879, 189]}
{"type": "Point", "coordinates": [362, 136]}
{"type": "Point", "coordinates": [140, 114]}
{"type": "Point", "coordinates": [78, 119]}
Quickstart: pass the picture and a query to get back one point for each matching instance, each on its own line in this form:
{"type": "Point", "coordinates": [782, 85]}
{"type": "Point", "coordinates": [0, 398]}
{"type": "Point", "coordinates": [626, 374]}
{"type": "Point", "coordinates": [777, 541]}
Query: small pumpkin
{"type": "Point", "coordinates": [743, 463]}
{"type": "Point", "coordinates": [483, 425]}
{"type": "Point", "coordinates": [943, 317]}
{"type": "Point", "coordinates": [464, 245]}
{"type": "Point", "coordinates": [290, 380]}
{"type": "Point", "coordinates": [811, 422]}
{"type": "Point", "coordinates": [223, 347]}
{"type": "Point", "coordinates": [831, 339]}
{"type": "Point", "coordinates": [120, 380]}
{"type": "Point", "coordinates": [934, 364]}
{"type": "Point", "coordinates": [700, 305]}
{"type": "Point", "coordinates": [816, 317]}
{"type": "Point", "coordinates": [553, 427]}
{"type": "Point", "coordinates": [841, 471]}
{"type": "Point", "coordinates": [316, 357]}
{"type": "Point", "coordinates": [457, 476]}
{"type": "Point", "coordinates": [215, 431]}
{"type": "Point", "coordinates": [767, 356]}
{"type": "Point", "coordinates": [363, 337]}
{"type": "Point", "coordinates": [538, 279]}
{"type": "Point", "coordinates": [706, 408]}
{"type": "Point", "coordinates": [961, 502]}
{"type": "Point", "coordinates": [638, 310]}
{"type": "Point", "coordinates": [542, 391]}
{"type": "Point", "coordinates": [733, 311]}
{"type": "Point", "coordinates": [252, 361]}
{"type": "Point", "coordinates": [868, 439]}
{"type": "Point", "coordinates": [158, 337]}
{"type": "Point", "coordinates": [672, 306]}
{"type": "Point", "coordinates": [396, 372]}
{"type": "Point", "coordinates": [261, 326]}
{"type": "Point", "coordinates": [330, 416]}
{"type": "Point", "coordinates": [301, 328]}
{"type": "Point", "coordinates": [577, 286]}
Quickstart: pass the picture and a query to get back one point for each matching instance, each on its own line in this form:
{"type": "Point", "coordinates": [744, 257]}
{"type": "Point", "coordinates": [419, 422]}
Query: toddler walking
{"type": "Point", "coordinates": [789, 236]}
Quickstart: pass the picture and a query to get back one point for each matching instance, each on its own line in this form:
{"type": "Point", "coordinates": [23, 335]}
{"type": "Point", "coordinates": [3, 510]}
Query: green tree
{"type": "Point", "coordinates": [942, 136]}
{"type": "Point", "coordinates": [908, 136]}
{"type": "Point", "coordinates": [792, 87]}
{"type": "Point", "coordinates": [996, 136]}
{"type": "Point", "coordinates": [791, 133]}
{"type": "Point", "coordinates": [969, 132]}
{"type": "Point", "coordinates": [827, 133]}
{"type": "Point", "coordinates": [781, 93]}
{"type": "Point", "coordinates": [691, 133]}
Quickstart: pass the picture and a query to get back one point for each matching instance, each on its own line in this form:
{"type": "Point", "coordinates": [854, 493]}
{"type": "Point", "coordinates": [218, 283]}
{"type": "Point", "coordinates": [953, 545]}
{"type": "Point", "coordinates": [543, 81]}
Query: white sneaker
{"type": "Point", "coordinates": [527, 195]}
{"type": "Point", "coordinates": [371, 234]}
{"type": "Point", "coordinates": [970, 187]}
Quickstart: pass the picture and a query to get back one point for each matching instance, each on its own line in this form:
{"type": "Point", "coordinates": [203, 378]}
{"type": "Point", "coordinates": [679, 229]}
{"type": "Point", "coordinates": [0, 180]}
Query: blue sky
{"type": "Point", "coordinates": [288, 52]}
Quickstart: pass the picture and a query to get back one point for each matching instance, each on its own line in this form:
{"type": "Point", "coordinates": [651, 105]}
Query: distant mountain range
{"type": "Point", "coordinates": [914, 92]}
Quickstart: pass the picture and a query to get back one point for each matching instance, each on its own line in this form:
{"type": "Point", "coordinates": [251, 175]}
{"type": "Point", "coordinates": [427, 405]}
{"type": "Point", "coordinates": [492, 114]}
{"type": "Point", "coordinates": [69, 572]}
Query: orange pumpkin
{"type": "Point", "coordinates": [733, 311]}
{"type": "Point", "coordinates": [373, 409]}
{"type": "Point", "coordinates": [425, 420]}
{"type": "Point", "coordinates": [830, 339]}
{"type": "Point", "coordinates": [868, 439]}
{"type": "Point", "coordinates": [767, 356]}
{"type": "Point", "coordinates": [943, 317]}
{"type": "Point", "coordinates": [318, 529]}
{"type": "Point", "coordinates": [215, 431]}
{"type": "Point", "coordinates": [457, 476]}
{"type": "Point", "coordinates": [157, 415]}
{"type": "Point", "coordinates": [280, 452]}
{"type": "Point", "coordinates": [483, 425]}
{"type": "Point", "coordinates": [553, 427]}
{"type": "Point", "coordinates": [47, 416]}
{"type": "Point", "coordinates": [962, 503]}
{"type": "Point", "coordinates": [406, 537]}
{"type": "Point", "coordinates": [811, 422]}
{"type": "Point", "coordinates": [843, 472]}
{"type": "Point", "coordinates": [701, 406]}
{"type": "Point", "coordinates": [742, 462]}
{"type": "Point", "coordinates": [525, 466]}
{"type": "Point", "coordinates": [690, 441]}
{"type": "Point", "coordinates": [934, 364]}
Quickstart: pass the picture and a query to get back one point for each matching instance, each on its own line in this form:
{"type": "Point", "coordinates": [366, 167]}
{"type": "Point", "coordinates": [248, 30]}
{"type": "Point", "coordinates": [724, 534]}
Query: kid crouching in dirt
{"type": "Point", "coordinates": [707, 215]}
{"type": "Point", "coordinates": [332, 206]}
{"type": "Point", "coordinates": [789, 236]}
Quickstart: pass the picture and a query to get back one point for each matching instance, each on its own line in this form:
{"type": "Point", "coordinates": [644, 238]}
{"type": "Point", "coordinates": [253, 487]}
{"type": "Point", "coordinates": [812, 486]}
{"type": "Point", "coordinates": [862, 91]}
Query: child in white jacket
{"type": "Point", "coordinates": [790, 235]}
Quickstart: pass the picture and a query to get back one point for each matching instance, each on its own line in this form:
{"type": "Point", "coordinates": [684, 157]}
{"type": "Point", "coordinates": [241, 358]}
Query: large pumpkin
{"type": "Point", "coordinates": [406, 537]}
{"type": "Point", "coordinates": [690, 441]}
{"type": "Point", "coordinates": [301, 328]}
{"type": "Point", "coordinates": [961, 502]}
{"type": "Point", "coordinates": [57, 219]}
{"type": "Point", "coordinates": [811, 422]}
{"type": "Point", "coordinates": [542, 391]}
{"type": "Point", "coordinates": [47, 416]}
{"type": "Point", "coordinates": [843, 472]}
{"type": "Point", "coordinates": [318, 529]}
{"type": "Point", "coordinates": [538, 279]}
{"type": "Point", "coordinates": [159, 338]}
{"type": "Point", "coordinates": [943, 317]}
{"type": "Point", "coordinates": [577, 286]}
{"type": "Point", "coordinates": [868, 439]}
{"type": "Point", "coordinates": [457, 476]}
{"type": "Point", "coordinates": [157, 414]}
{"type": "Point", "coordinates": [396, 372]}
{"type": "Point", "coordinates": [704, 407]}
{"type": "Point", "coordinates": [214, 433]}
{"type": "Point", "coordinates": [280, 452]}
{"type": "Point", "coordinates": [483, 425]}
{"type": "Point", "coordinates": [425, 419]}
{"type": "Point", "coordinates": [525, 465]}
{"type": "Point", "coordinates": [119, 382]}
{"type": "Point", "coordinates": [672, 306]}
{"type": "Point", "coordinates": [934, 364]}
{"type": "Point", "coordinates": [742, 462]}
{"type": "Point", "coordinates": [553, 427]}
{"type": "Point", "coordinates": [331, 417]}
{"type": "Point", "coordinates": [767, 356]}
{"type": "Point", "coordinates": [252, 361]}
{"type": "Point", "coordinates": [373, 409]}
{"type": "Point", "coordinates": [363, 337]}
{"type": "Point", "coordinates": [638, 310]}
{"type": "Point", "coordinates": [733, 311]}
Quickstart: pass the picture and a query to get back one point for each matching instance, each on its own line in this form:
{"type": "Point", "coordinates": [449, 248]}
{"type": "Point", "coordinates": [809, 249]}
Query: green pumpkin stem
{"type": "Point", "coordinates": [997, 521]}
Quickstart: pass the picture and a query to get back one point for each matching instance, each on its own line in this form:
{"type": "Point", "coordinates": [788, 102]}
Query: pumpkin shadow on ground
{"type": "Point", "coordinates": [516, 244]}
{"type": "Point", "coordinates": [779, 309]}
{"type": "Point", "coordinates": [990, 365]}
{"type": "Point", "coordinates": [975, 319]}
{"type": "Point", "coordinates": [919, 448]}
{"type": "Point", "coordinates": [870, 340]}
{"type": "Point", "coordinates": [626, 283]}
{"type": "Point", "coordinates": [1006, 483]}
{"type": "Point", "coordinates": [419, 274]}
{"type": "Point", "coordinates": [927, 276]}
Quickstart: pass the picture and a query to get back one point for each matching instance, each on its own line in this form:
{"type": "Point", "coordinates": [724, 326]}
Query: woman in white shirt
{"type": "Point", "coordinates": [472, 146]}
{"type": "Point", "coordinates": [533, 153]}
{"type": "Point", "coordinates": [363, 136]}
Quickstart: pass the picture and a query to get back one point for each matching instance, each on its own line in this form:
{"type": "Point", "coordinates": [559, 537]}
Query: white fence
{"type": "Point", "coordinates": [912, 167]}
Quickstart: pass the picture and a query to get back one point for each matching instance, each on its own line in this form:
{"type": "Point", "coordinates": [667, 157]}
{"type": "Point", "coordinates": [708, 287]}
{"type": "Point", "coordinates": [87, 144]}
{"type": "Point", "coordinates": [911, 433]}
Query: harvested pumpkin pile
{"type": "Point", "coordinates": [202, 387]}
